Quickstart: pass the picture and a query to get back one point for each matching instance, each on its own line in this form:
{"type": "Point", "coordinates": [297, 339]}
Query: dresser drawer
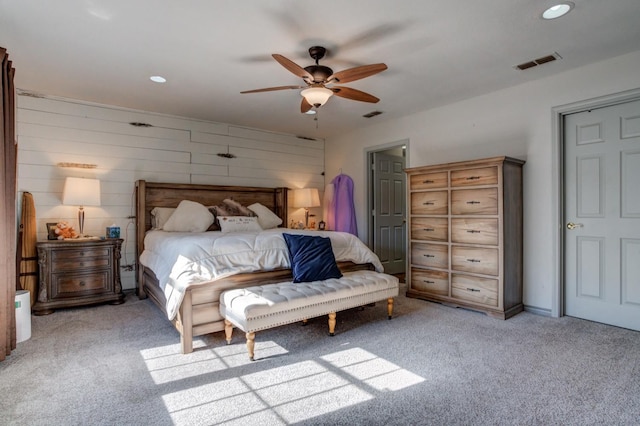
{"type": "Point", "coordinates": [475, 231]}
{"type": "Point", "coordinates": [475, 289]}
{"type": "Point", "coordinates": [433, 255]}
{"type": "Point", "coordinates": [74, 285]}
{"type": "Point", "coordinates": [479, 176]}
{"type": "Point", "coordinates": [428, 181]}
{"type": "Point", "coordinates": [476, 260]}
{"type": "Point", "coordinates": [474, 201]}
{"type": "Point", "coordinates": [434, 282]}
{"type": "Point", "coordinates": [432, 202]}
{"type": "Point", "coordinates": [429, 228]}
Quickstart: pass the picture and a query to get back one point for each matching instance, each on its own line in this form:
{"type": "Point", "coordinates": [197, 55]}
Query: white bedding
{"type": "Point", "coordinates": [182, 259]}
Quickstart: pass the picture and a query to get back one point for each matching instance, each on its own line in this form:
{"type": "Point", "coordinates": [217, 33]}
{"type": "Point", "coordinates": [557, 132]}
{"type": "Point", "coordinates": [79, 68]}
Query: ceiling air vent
{"type": "Point", "coordinates": [306, 138]}
{"type": "Point", "coordinates": [372, 114]}
{"type": "Point", "coordinates": [138, 124]}
{"type": "Point", "coordinates": [545, 59]}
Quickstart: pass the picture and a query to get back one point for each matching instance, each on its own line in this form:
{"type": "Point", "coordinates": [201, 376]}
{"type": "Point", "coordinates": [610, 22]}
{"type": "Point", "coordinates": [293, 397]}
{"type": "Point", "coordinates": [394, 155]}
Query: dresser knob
{"type": "Point", "coordinates": [82, 283]}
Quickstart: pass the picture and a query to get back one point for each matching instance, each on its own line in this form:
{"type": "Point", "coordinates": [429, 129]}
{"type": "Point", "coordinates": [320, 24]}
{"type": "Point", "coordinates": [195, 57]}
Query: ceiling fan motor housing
{"type": "Point", "coordinates": [320, 73]}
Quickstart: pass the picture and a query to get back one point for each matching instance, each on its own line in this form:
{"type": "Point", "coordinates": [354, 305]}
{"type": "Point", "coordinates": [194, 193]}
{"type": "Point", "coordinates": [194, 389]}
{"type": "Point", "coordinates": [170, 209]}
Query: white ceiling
{"type": "Point", "coordinates": [437, 52]}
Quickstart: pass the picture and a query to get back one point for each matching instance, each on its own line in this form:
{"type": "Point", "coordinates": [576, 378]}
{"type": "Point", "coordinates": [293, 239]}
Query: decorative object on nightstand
{"type": "Point", "coordinates": [306, 198]}
{"type": "Point", "coordinates": [77, 273]}
{"type": "Point", "coordinates": [81, 192]}
{"type": "Point", "coordinates": [465, 233]}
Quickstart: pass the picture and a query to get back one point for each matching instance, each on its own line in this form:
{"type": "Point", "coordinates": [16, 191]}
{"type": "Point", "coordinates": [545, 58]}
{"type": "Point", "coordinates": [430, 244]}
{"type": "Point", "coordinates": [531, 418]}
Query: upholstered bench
{"type": "Point", "coordinates": [258, 308]}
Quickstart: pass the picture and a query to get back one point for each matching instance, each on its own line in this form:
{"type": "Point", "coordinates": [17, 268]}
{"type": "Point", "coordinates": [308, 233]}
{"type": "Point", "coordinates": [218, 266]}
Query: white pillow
{"type": "Point", "coordinates": [189, 217]}
{"type": "Point", "coordinates": [160, 215]}
{"type": "Point", "coordinates": [239, 224]}
{"type": "Point", "coordinates": [266, 218]}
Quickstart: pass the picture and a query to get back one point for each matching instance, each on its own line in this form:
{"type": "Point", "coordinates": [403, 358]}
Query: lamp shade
{"type": "Point", "coordinates": [306, 197]}
{"type": "Point", "coordinates": [81, 192]}
{"type": "Point", "coordinates": [317, 96]}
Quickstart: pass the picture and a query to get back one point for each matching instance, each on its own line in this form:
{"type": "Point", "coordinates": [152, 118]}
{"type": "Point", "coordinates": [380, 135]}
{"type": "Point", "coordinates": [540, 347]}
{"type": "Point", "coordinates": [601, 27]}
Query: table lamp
{"type": "Point", "coordinates": [306, 198]}
{"type": "Point", "coordinates": [81, 192]}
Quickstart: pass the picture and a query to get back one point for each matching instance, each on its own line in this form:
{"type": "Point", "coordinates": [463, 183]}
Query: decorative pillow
{"type": "Point", "coordinates": [235, 206]}
{"type": "Point", "coordinates": [312, 258]}
{"type": "Point", "coordinates": [266, 218]}
{"type": "Point", "coordinates": [189, 217]}
{"type": "Point", "coordinates": [160, 215]}
{"type": "Point", "coordinates": [239, 224]}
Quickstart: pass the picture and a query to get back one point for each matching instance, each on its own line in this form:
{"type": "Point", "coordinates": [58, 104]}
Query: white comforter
{"type": "Point", "coordinates": [182, 259]}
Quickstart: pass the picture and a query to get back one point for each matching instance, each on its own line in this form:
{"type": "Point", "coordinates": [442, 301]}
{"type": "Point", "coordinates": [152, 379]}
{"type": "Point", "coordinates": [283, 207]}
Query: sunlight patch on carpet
{"type": "Point", "coordinates": [282, 395]}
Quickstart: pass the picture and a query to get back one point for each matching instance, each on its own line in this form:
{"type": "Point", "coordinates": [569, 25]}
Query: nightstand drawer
{"type": "Point", "coordinates": [73, 265]}
{"type": "Point", "coordinates": [75, 255]}
{"type": "Point", "coordinates": [73, 285]}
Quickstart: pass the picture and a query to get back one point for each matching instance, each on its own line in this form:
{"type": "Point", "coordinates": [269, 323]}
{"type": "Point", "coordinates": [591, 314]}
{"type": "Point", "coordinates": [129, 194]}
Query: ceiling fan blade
{"type": "Point", "coordinates": [293, 67]}
{"type": "Point", "coordinates": [353, 74]}
{"type": "Point", "coordinates": [305, 106]}
{"type": "Point", "coordinates": [353, 94]}
{"type": "Point", "coordinates": [271, 89]}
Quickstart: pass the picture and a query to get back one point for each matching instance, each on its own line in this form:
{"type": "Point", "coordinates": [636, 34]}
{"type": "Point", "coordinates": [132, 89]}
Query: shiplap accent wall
{"type": "Point", "coordinates": [52, 130]}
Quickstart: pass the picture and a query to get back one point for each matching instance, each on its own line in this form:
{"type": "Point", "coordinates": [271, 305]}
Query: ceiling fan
{"type": "Point", "coordinates": [317, 77]}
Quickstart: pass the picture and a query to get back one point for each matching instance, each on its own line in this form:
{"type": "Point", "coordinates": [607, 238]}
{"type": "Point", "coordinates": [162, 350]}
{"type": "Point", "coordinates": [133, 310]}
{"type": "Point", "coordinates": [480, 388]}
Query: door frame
{"type": "Point", "coordinates": [557, 166]}
{"type": "Point", "coordinates": [368, 155]}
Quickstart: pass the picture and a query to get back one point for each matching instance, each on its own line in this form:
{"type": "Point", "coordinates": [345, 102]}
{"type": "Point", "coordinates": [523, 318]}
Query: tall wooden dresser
{"type": "Point", "coordinates": [465, 234]}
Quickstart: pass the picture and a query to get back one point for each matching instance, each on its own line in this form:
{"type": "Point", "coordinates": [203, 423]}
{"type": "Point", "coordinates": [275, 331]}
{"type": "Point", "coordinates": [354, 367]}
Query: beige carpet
{"type": "Point", "coordinates": [430, 365]}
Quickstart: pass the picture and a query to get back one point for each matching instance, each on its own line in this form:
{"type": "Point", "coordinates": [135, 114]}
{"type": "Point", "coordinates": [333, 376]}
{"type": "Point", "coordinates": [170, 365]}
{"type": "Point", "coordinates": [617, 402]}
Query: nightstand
{"type": "Point", "coordinates": [77, 273]}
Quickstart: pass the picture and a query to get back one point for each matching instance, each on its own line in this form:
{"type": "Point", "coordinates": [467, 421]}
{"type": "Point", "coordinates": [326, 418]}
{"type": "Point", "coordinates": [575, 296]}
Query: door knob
{"type": "Point", "coordinates": [572, 225]}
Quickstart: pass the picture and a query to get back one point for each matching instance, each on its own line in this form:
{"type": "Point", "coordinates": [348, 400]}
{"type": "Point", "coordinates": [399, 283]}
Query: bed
{"type": "Point", "coordinates": [194, 307]}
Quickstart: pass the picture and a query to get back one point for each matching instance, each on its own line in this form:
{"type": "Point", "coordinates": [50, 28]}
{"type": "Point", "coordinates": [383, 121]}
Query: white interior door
{"type": "Point", "coordinates": [602, 215]}
{"type": "Point", "coordinates": [389, 212]}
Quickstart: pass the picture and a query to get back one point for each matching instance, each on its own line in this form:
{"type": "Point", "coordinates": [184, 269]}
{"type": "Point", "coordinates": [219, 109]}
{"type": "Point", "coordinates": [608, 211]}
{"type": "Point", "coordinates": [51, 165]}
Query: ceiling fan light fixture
{"type": "Point", "coordinates": [316, 96]}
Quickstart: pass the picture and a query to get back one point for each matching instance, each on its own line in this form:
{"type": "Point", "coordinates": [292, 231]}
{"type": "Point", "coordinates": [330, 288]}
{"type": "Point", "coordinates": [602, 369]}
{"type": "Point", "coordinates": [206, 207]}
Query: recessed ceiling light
{"type": "Point", "coordinates": [558, 10]}
{"type": "Point", "coordinates": [158, 79]}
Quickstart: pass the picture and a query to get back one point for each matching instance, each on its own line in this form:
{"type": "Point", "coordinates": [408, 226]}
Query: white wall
{"type": "Point", "coordinates": [516, 122]}
{"type": "Point", "coordinates": [51, 131]}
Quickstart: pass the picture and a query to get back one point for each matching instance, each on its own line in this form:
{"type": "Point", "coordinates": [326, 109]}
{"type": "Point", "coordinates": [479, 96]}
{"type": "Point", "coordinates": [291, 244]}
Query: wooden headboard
{"type": "Point", "coordinates": [156, 194]}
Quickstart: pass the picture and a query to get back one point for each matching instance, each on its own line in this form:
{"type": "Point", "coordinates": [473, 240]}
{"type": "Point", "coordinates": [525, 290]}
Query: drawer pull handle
{"type": "Point", "coordinates": [428, 255]}
{"type": "Point", "coordinates": [472, 289]}
{"type": "Point", "coordinates": [428, 181]}
{"type": "Point", "coordinates": [473, 178]}
{"type": "Point", "coordinates": [428, 203]}
{"type": "Point", "coordinates": [429, 282]}
{"type": "Point", "coordinates": [472, 231]}
{"type": "Point", "coordinates": [82, 283]}
{"type": "Point", "coordinates": [473, 202]}
{"type": "Point", "coordinates": [428, 229]}
{"type": "Point", "coordinates": [473, 260]}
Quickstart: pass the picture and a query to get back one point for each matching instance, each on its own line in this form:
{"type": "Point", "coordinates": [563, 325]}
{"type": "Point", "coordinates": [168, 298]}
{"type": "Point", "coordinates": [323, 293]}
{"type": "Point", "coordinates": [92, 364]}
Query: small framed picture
{"type": "Point", "coordinates": [321, 225]}
{"type": "Point", "coordinates": [51, 231]}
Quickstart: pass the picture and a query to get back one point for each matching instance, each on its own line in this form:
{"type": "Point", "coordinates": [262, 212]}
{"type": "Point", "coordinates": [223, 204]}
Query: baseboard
{"type": "Point", "coordinates": [538, 311]}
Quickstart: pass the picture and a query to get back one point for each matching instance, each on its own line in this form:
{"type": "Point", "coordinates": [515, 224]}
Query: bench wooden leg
{"type": "Point", "coordinates": [251, 340]}
{"type": "Point", "coordinates": [332, 323]}
{"type": "Point", "coordinates": [228, 330]}
{"type": "Point", "coordinates": [390, 307]}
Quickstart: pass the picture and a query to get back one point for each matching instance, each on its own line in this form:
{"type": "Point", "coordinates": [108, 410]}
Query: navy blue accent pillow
{"type": "Point", "coordinates": [312, 258]}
